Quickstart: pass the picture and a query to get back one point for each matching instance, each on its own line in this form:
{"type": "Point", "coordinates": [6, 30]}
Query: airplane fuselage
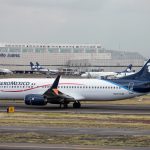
{"type": "Point", "coordinates": [98, 74]}
{"type": "Point", "coordinates": [80, 89]}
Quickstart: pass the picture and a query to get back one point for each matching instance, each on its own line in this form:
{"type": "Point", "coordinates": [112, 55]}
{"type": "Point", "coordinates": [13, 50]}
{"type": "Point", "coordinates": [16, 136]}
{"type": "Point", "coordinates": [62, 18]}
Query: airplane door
{"type": "Point", "coordinates": [130, 87]}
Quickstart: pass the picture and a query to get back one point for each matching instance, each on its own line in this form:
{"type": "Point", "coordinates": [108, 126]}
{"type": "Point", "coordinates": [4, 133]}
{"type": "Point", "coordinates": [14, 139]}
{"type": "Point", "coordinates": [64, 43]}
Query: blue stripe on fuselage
{"type": "Point", "coordinates": [117, 84]}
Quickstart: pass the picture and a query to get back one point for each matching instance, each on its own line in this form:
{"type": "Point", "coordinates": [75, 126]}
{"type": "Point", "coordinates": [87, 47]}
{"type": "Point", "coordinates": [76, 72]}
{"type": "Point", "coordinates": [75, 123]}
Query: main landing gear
{"type": "Point", "coordinates": [65, 105]}
{"type": "Point", "coordinates": [76, 104]}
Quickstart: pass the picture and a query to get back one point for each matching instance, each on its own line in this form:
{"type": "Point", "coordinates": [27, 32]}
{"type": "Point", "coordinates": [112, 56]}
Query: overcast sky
{"type": "Point", "coordinates": [115, 24]}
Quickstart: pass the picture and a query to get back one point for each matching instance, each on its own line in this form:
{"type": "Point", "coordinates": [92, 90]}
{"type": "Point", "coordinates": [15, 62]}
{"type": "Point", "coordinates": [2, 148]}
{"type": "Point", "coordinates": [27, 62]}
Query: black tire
{"type": "Point", "coordinates": [76, 105]}
{"type": "Point", "coordinates": [65, 105]}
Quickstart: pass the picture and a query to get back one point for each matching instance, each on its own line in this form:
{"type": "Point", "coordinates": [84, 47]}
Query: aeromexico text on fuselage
{"type": "Point", "coordinates": [17, 83]}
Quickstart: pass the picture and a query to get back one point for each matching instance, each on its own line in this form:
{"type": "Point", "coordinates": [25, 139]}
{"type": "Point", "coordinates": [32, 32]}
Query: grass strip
{"type": "Point", "coordinates": [75, 120]}
{"type": "Point", "coordinates": [32, 137]}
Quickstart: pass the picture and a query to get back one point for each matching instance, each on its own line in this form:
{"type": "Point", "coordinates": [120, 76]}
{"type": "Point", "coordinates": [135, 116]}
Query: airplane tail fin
{"type": "Point", "coordinates": [54, 87]}
{"type": "Point", "coordinates": [32, 65]}
{"type": "Point", "coordinates": [143, 74]}
{"type": "Point", "coordinates": [128, 69]}
{"type": "Point", "coordinates": [38, 65]}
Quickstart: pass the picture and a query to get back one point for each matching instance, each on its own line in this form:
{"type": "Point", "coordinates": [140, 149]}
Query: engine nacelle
{"type": "Point", "coordinates": [35, 99]}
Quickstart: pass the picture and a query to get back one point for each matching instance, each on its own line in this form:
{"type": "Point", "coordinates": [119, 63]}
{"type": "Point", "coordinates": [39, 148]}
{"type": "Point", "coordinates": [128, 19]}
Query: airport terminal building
{"type": "Point", "coordinates": [86, 56]}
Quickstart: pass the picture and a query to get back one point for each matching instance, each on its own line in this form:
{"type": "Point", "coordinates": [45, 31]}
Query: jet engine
{"type": "Point", "coordinates": [35, 99]}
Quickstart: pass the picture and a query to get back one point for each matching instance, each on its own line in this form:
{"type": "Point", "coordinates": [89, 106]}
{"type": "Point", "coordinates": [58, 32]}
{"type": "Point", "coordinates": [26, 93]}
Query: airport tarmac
{"type": "Point", "coordinates": [85, 108]}
{"type": "Point", "coordinates": [30, 146]}
{"type": "Point", "coordinates": [58, 131]}
{"type": "Point", "coordinates": [74, 131]}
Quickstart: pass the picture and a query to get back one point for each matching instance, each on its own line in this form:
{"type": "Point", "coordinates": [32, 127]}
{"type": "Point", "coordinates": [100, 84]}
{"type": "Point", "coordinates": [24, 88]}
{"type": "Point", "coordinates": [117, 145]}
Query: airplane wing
{"type": "Point", "coordinates": [54, 93]}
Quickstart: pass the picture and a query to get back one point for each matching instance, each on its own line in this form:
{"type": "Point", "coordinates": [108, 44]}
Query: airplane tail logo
{"type": "Point", "coordinates": [148, 66]}
{"type": "Point", "coordinates": [145, 71]}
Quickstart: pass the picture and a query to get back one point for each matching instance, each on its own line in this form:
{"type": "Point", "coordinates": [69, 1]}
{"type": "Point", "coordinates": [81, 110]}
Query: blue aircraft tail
{"type": "Point", "coordinates": [143, 74]}
{"type": "Point", "coordinates": [128, 69]}
{"type": "Point", "coordinates": [32, 65]}
{"type": "Point", "coordinates": [37, 64]}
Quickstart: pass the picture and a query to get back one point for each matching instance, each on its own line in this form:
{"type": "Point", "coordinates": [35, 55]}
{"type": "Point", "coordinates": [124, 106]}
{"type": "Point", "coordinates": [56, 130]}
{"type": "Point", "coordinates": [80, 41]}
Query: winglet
{"type": "Point", "coordinates": [56, 82]}
{"type": "Point", "coordinates": [54, 87]}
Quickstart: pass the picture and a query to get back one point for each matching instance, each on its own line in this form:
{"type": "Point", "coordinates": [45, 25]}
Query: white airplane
{"type": "Point", "coordinates": [64, 91]}
{"type": "Point", "coordinates": [39, 68]}
{"type": "Point", "coordinates": [4, 71]}
{"type": "Point", "coordinates": [108, 74]}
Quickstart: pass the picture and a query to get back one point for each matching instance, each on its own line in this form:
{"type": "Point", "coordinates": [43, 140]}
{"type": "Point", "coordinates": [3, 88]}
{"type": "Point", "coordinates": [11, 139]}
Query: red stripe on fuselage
{"type": "Point", "coordinates": [42, 86]}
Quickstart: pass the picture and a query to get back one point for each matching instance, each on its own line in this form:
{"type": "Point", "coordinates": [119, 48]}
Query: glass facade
{"type": "Point", "coordinates": [40, 50]}
{"type": "Point", "coordinates": [27, 50]}
{"type": "Point", "coordinates": [53, 50]}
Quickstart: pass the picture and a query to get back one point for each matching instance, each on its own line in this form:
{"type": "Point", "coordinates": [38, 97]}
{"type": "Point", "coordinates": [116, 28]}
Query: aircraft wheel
{"type": "Point", "coordinates": [76, 104]}
{"type": "Point", "coordinates": [65, 105]}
